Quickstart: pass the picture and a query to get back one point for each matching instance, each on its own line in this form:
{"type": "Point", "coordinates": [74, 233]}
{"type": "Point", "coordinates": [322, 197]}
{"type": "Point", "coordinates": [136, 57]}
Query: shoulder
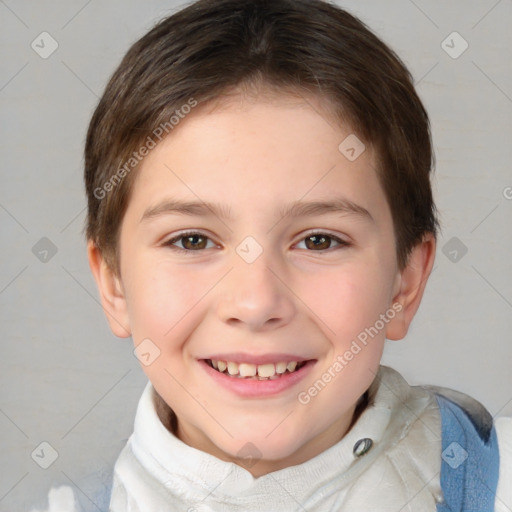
{"type": "Point", "coordinates": [488, 441]}
{"type": "Point", "coordinates": [478, 417]}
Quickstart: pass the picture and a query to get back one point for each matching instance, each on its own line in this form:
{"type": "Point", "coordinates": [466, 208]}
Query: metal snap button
{"type": "Point", "coordinates": [362, 446]}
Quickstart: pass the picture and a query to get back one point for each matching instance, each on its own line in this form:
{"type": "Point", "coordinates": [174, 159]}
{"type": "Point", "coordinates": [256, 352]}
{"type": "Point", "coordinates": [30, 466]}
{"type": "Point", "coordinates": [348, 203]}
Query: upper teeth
{"type": "Point", "coordinates": [251, 370]}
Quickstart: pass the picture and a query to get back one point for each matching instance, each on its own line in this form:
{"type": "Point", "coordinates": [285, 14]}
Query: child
{"type": "Point", "coordinates": [260, 220]}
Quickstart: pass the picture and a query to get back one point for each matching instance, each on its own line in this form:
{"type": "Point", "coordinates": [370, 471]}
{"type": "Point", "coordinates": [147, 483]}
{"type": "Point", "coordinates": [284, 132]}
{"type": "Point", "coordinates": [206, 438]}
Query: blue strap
{"type": "Point", "coordinates": [470, 457]}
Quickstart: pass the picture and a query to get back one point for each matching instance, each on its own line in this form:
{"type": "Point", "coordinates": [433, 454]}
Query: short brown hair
{"type": "Point", "coordinates": [212, 46]}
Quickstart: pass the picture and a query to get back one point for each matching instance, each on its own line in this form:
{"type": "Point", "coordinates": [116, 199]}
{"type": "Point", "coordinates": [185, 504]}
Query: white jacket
{"type": "Point", "coordinates": [156, 472]}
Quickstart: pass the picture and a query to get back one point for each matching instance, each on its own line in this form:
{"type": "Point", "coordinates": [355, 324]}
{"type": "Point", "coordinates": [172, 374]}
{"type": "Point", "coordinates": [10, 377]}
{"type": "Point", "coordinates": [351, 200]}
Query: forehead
{"type": "Point", "coordinates": [245, 150]}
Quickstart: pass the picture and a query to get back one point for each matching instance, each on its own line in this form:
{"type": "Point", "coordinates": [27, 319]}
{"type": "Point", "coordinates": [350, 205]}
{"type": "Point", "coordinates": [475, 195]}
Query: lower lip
{"type": "Point", "coordinates": [252, 388]}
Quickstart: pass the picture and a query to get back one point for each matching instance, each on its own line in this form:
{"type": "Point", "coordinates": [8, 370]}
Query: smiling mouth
{"type": "Point", "coordinates": [249, 371]}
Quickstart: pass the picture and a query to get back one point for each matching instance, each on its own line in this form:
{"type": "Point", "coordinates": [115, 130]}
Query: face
{"type": "Point", "coordinates": [251, 239]}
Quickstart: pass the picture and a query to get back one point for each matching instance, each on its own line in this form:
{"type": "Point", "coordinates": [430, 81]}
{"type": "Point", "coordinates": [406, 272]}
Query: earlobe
{"type": "Point", "coordinates": [411, 286]}
{"type": "Point", "coordinates": [111, 292]}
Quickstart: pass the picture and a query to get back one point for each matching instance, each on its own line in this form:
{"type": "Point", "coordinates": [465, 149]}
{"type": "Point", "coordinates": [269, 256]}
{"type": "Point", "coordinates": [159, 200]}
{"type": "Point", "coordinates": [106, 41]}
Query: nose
{"type": "Point", "coordinates": [255, 296]}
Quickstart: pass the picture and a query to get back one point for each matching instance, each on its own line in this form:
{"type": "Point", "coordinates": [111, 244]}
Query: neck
{"type": "Point", "coordinates": [316, 446]}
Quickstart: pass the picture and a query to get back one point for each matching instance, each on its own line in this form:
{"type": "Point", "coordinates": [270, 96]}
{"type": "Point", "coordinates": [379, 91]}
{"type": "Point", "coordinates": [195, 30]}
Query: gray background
{"type": "Point", "coordinates": [65, 379]}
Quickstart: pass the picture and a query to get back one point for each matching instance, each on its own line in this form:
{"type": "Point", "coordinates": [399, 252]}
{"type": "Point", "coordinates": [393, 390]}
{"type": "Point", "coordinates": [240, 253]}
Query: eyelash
{"type": "Point", "coordinates": [170, 243]}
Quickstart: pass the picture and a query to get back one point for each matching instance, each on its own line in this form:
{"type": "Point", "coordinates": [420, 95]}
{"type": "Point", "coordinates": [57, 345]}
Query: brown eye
{"type": "Point", "coordinates": [318, 242]}
{"type": "Point", "coordinates": [322, 242]}
{"type": "Point", "coordinates": [194, 242]}
{"type": "Point", "coordinates": [189, 242]}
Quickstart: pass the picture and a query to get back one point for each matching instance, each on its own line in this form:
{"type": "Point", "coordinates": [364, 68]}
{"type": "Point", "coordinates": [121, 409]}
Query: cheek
{"type": "Point", "coordinates": [347, 299]}
{"type": "Point", "coordinates": [159, 299]}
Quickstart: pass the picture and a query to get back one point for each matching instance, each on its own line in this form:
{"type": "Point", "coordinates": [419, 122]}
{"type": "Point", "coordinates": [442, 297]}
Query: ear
{"type": "Point", "coordinates": [410, 286]}
{"type": "Point", "coordinates": [111, 292]}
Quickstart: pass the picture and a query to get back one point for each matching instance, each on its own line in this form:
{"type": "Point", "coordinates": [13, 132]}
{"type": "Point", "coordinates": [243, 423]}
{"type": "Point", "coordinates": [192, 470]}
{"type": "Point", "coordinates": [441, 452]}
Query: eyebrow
{"type": "Point", "coordinates": [299, 208]}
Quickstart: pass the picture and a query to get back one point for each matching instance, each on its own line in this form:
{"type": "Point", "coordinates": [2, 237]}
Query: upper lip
{"type": "Point", "coordinates": [239, 357]}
